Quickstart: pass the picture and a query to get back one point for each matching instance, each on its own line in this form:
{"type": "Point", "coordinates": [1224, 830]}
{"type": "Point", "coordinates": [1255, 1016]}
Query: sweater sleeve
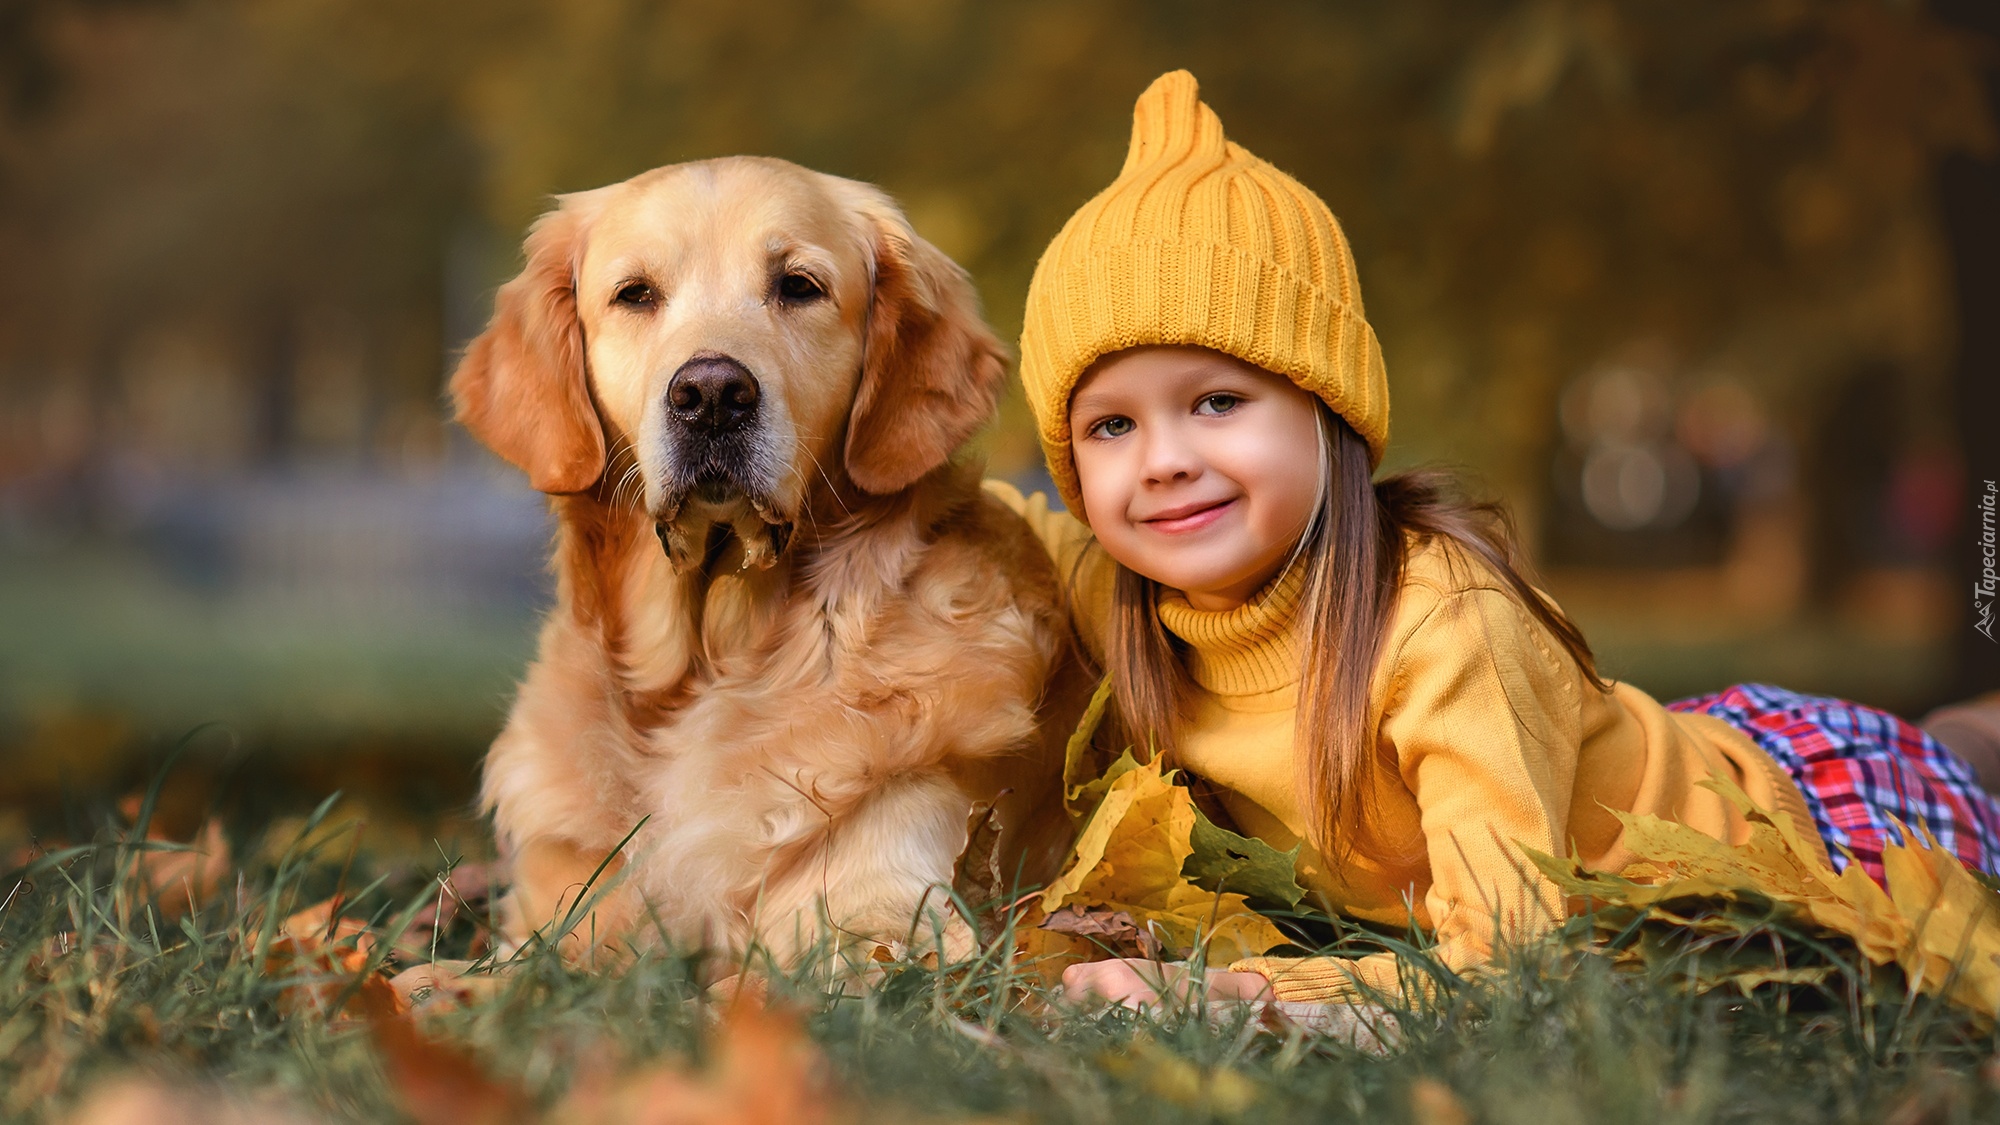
{"type": "Point", "coordinates": [1483, 723]}
{"type": "Point", "coordinates": [1085, 571]}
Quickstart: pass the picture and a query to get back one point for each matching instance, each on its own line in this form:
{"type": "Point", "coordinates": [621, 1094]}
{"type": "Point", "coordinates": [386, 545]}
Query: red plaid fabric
{"type": "Point", "coordinates": [1858, 768]}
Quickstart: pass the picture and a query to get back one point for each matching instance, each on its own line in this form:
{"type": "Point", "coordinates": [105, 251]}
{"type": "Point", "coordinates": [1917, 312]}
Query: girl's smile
{"type": "Point", "coordinates": [1187, 517]}
{"type": "Point", "coordinates": [1198, 470]}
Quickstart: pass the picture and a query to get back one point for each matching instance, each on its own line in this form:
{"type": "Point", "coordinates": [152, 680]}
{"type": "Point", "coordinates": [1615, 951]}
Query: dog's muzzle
{"type": "Point", "coordinates": [715, 414]}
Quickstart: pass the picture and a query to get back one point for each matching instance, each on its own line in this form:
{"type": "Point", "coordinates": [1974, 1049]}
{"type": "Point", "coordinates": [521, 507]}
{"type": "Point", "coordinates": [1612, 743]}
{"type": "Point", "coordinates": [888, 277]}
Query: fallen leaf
{"type": "Point", "coordinates": [440, 1083]}
{"type": "Point", "coordinates": [1221, 860]}
{"type": "Point", "coordinates": [184, 877]}
{"type": "Point", "coordinates": [766, 1071]}
{"type": "Point", "coordinates": [333, 982]}
{"type": "Point", "coordinates": [1084, 799]}
{"type": "Point", "coordinates": [1221, 1091]}
{"type": "Point", "coordinates": [1114, 930]}
{"type": "Point", "coordinates": [321, 926]}
{"type": "Point", "coordinates": [1934, 919]}
{"type": "Point", "coordinates": [1954, 946]}
{"type": "Point", "coordinates": [1129, 858]}
{"type": "Point", "coordinates": [1086, 775]}
{"type": "Point", "coordinates": [1045, 953]}
{"type": "Point", "coordinates": [291, 836]}
{"type": "Point", "coordinates": [1433, 1103]}
{"type": "Point", "coordinates": [977, 876]}
{"type": "Point", "coordinates": [325, 963]}
{"type": "Point", "coordinates": [1749, 980]}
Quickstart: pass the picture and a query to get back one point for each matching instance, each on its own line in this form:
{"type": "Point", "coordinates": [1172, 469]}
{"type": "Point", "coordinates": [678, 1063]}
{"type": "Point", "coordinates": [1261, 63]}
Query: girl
{"type": "Point", "coordinates": [1359, 665]}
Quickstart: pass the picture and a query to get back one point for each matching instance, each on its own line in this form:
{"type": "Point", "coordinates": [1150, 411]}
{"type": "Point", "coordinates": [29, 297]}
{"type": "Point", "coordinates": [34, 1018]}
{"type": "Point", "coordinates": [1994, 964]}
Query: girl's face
{"type": "Point", "coordinates": [1198, 470]}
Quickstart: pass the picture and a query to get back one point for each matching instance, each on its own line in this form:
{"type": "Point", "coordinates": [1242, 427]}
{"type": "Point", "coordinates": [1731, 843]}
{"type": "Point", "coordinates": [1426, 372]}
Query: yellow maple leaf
{"type": "Point", "coordinates": [1933, 918]}
{"type": "Point", "coordinates": [1129, 858]}
{"type": "Point", "coordinates": [1954, 923]}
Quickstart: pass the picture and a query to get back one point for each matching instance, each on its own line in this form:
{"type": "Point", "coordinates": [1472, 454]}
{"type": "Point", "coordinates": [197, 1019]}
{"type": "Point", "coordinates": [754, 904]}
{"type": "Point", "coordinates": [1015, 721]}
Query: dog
{"type": "Point", "coordinates": [794, 646]}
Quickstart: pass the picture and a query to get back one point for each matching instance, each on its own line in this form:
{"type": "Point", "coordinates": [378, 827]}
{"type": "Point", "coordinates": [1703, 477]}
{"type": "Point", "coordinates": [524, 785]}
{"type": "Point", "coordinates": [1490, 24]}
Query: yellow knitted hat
{"type": "Point", "coordinates": [1199, 242]}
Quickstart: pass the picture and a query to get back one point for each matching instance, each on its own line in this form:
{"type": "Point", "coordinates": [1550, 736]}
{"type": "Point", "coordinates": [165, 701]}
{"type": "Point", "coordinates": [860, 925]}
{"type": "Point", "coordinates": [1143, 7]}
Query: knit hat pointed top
{"type": "Point", "coordinates": [1199, 242]}
{"type": "Point", "coordinates": [1170, 123]}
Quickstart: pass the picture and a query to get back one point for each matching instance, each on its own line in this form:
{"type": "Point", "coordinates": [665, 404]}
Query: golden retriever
{"type": "Point", "coordinates": [794, 645]}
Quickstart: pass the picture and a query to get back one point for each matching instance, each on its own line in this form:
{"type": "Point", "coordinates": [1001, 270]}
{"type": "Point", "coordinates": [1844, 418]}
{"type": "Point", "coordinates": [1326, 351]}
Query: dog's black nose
{"type": "Point", "coordinates": [713, 393]}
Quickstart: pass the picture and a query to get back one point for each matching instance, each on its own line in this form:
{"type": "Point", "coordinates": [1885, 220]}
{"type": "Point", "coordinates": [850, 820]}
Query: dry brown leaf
{"type": "Point", "coordinates": [1044, 954]}
{"type": "Point", "coordinates": [766, 1072]}
{"type": "Point", "coordinates": [326, 960]}
{"type": "Point", "coordinates": [321, 926]}
{"type": "Point", "coordinates": [1433, 1103]}
{"type": "Point", "coordinates": [440, 1083]}
{"type": "Point", "coordinates": [978, 877]}
{"type": "Point", "coordinates": [182, 880]}
{"type": "Point", "coordinates": [334, 983]}
{"type": "Point", "coordinates": [329, 980]}
{"type": "Point", "coordinates": [1114, 930]}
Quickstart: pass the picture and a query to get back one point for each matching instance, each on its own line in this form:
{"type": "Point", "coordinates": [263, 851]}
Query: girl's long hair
{"type": "Point", "coordinates": [1355, 551]}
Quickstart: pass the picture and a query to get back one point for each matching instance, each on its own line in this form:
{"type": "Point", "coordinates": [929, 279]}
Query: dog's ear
{"type": "Point", "coordinates": [521, 387]}
{"type": "Point", "coordinates": [932, 369]}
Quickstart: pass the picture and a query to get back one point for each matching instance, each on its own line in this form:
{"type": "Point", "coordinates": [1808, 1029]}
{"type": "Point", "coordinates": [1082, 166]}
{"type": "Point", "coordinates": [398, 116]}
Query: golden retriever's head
{"type": "Point", "coordinates": [744, 326]}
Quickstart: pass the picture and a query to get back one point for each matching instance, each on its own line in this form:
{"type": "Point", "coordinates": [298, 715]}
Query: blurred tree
{"type": "Point", "coordinates": [230, 169]}
{"type": "Point", "coordinates": [1530, 187]}
{"type": "Point", "coordinates": [28, 72]}
{"type": "Point", "coordinates": [32, 78]}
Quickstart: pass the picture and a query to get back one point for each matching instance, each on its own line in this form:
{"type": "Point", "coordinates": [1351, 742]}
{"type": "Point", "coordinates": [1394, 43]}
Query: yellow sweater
{"type": "Point", "coordinates": [1495, 737]}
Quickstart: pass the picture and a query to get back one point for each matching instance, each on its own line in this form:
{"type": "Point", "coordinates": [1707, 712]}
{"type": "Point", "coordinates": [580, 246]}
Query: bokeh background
{"type": "Point", "coordinates": [1706, 290]}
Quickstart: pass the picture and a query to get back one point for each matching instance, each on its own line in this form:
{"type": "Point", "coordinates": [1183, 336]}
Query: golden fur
{"type": "Point", "coordinates": [803, 678]}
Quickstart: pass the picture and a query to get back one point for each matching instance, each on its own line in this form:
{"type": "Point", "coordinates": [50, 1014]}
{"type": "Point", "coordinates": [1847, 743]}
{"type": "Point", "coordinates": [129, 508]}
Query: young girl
{"type": "Point", "coordinates": [1359, 665]}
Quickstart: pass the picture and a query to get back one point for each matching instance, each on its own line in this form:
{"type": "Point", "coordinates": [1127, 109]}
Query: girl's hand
{"type": "Point", "coordinates": [1136, 983]}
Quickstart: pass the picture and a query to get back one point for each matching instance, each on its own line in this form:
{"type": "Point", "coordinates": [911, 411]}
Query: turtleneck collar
{"type": "Point", "coordinates": [1248, 650]}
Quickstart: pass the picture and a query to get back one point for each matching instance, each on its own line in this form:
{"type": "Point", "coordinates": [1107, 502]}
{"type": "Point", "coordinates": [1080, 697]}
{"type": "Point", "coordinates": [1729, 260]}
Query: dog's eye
{"type": "Point", "coordinates": [796, 286]}
{"type": "Point", "coordinates": [636, 294]}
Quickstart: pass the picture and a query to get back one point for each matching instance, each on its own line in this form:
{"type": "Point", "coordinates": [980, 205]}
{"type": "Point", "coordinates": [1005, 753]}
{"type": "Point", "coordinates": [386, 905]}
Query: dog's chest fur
{"type": "Point", "coordinates": [770, 709]}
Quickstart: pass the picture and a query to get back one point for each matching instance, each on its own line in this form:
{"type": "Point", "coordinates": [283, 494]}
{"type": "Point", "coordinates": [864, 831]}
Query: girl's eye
{"type": "Point", "coordinates": [1217, 404]}
{"type": "Point", "coordinates": [1111, 428]}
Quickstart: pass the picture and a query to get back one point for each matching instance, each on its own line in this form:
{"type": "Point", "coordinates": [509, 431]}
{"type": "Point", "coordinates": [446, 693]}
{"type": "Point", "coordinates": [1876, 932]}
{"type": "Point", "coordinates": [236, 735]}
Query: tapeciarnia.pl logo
{"type": "Point", "coordinates": [1987, 585]}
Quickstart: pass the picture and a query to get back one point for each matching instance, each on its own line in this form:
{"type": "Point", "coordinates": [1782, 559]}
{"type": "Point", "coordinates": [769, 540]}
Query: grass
{"type": "Point", "coordinates": [100, 978]}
